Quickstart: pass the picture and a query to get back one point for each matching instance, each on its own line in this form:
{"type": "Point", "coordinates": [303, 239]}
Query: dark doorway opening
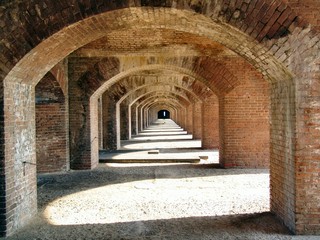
{"type": "Point", "coordinates": [163, 114]}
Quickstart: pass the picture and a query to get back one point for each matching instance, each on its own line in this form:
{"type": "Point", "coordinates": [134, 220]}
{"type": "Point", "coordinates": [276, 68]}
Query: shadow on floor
{"type": "Point", "coordinates": [54, 186]}
{"type": "Point", "coordinates": [247, 226]}
{"type": "Point", "coordinates": [123, 173]}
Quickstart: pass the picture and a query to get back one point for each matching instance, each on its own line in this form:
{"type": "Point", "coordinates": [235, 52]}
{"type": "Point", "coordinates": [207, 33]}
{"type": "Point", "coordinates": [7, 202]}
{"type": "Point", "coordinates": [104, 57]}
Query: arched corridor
{"type": "Point", "coordinates": [83, 77]}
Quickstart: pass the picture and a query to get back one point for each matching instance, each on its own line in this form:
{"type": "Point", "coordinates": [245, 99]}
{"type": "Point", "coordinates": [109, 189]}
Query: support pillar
{"type": "Point", "coordinates": [197, 120]}
{"type": "Point", "coordinates": [210, 138]}
{"type": "Point", "coordinates": [109, 123]}
{"type": "Point", "coordinates": [18, 163]}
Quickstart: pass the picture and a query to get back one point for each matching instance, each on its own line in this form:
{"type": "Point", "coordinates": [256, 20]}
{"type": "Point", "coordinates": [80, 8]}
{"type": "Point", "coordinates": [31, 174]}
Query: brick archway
{"type": "Point", "coordinates": [280, 54]}
{"type": "Point", "coordinates": [107, 85]}
{"type": "Point", "coordinates": [136, 94]}
{"type": "Point", "coordinates": [183, 99]}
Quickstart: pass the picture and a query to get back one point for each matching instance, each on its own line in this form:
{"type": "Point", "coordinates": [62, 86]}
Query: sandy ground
{"type": "Point", "coordinates": [153, 201]}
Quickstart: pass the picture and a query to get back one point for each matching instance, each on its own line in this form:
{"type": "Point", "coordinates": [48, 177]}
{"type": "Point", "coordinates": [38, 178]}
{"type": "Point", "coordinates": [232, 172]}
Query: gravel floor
{"type": "Point", "coordinates": [150, 201]}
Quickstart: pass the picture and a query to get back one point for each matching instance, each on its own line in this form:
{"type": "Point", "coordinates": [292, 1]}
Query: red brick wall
{"type": "Point", "coordinates": [100, 122]}
{"type": "Point", "coordinates": [134, 129]}
{"type": "Point", "coordinates": [282, 179]}
{"type": "Point", "coordinates": [210, 137]}
{"type": "Point", "coordinates": [19, 184]}
{"type": "Point", "coordinates": [244, 116]}
{"type": "Point", "coordinates": [27, 24]}
{"type": "Point", "coordinates": [109, 122]}
{"type": "Point", "coordinates": [308, 9]}
{"type": "Point", "coordinates": [181, 118]}
{"type": "Point", "coordinates": [307, 144]}
{"type": "Point", "coordinates": [197, 120]}
{"type": "Point", "coordinates": [124, 122]}
{"type": "Point", "coordinates": [79, 119]}
{"type": "Point", "coordinates": [51, 129]}
{"type": "Point", "coordinates": [189, 126]}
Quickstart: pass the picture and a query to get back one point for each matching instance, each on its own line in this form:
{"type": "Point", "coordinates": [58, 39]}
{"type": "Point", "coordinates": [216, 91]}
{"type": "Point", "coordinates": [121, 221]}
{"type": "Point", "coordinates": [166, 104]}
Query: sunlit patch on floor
{"type": "Point", "coordinates": [163, 197]}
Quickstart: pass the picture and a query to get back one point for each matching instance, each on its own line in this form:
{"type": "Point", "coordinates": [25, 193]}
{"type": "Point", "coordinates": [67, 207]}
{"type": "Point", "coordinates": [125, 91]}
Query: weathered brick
{"type": "Point", "coordinates": [37, 35]}
{"type": "Point", "coordinates": [51, 128]}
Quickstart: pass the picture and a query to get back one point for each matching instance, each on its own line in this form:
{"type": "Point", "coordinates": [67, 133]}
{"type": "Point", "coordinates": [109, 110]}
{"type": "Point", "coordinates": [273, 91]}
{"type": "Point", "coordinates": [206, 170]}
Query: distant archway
{"type": "Point", "coordinates": [163, 114]}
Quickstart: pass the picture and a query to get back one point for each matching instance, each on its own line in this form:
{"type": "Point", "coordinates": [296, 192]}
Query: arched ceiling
{"type": "Point", "coordinates": [136, 95]}
{"type": "Point", "coordinates": [204, 36]}
{"type": "Point", "coordinates": [160, 42]}
{"type": "Point", "coordinates": [168, 96]}
{"type": "Point", "coordinates": [140, 47]}
{"type": "Point", "coordinates": [150, 42]}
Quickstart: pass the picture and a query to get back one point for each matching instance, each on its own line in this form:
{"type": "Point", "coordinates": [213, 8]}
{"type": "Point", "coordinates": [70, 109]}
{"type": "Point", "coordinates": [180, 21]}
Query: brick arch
{"type": "Point", "coordinates": [173, 97]}
{"type": "Point", "coordinates": [23, 65]}
{"type": "Point", "coordinates": [144, 89]}
{"type": "Point", "coordinates": [154, 95]}
{"type": "Point", "coordinates": [172, 111]}
{"type": "Point", "coordinates": [128, 86]}
{"type": "Point", "coordinates": [123, 132]}
{"type": "Point", "coordinates": [174, 115]}
{"type": "Point", "coordinates": [148, 102]}
{"type": "Point", "coordinates": [207, 70]}
{"type": "Point", "coordinates": [59, 71]}
{"type": "Point", "coordinates": [174, 104]}
{"type": "Point", "coordinates": [64, 42]}
{"type": "Point", "coordinates": [243, 16]}
{"type": "Point", "coordinates": [163, 104]}
{"type": "Point", "coordinates": [177, 67]}
{"type": "Point", "coordinates": [81, 146]}
{"type": "Point", "coordinates": [209, 100]}
{"type": "Point", "coordinates": [140, 96]}
{"type": "Point", "coordinates": [164, 101]}
{"type": "Point", "coordinates": [122, 89]}
{"type": "Point", "coordinates": [105, 75]}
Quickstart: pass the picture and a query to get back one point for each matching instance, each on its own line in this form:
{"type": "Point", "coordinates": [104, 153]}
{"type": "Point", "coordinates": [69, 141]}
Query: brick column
{"type": "Point", "coordinates": [140, 119]}
{"type": "Point", "coordinates": [109, 123]}
{"type": "Point", "coordinates": [189, 125]}
{"type": "Point", "coordinates": [210, 137]}
{"type": "Point", "coordinates": [197, 120]}
{"type": "Point", "coordinates": [18, 165]}
{"type": "Point", "coordinates": [124, 121]}
{"type": "Point", "coordinates": [307, 144]}
{"type": "Point", "coordinates": [100, 123]}
{"type": "Point", "coordinates": [134, 120]}
{"type": "Point", "coordinates": [144, 117]}
{"type": "Point", "coordinates": [79, 113]}
{"type": "Point", "coordinates": [185, 116]}
{"type": "Point", "coordinates": [282, 168]}
{"type": "Point", "coordinates": [129, 121]}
